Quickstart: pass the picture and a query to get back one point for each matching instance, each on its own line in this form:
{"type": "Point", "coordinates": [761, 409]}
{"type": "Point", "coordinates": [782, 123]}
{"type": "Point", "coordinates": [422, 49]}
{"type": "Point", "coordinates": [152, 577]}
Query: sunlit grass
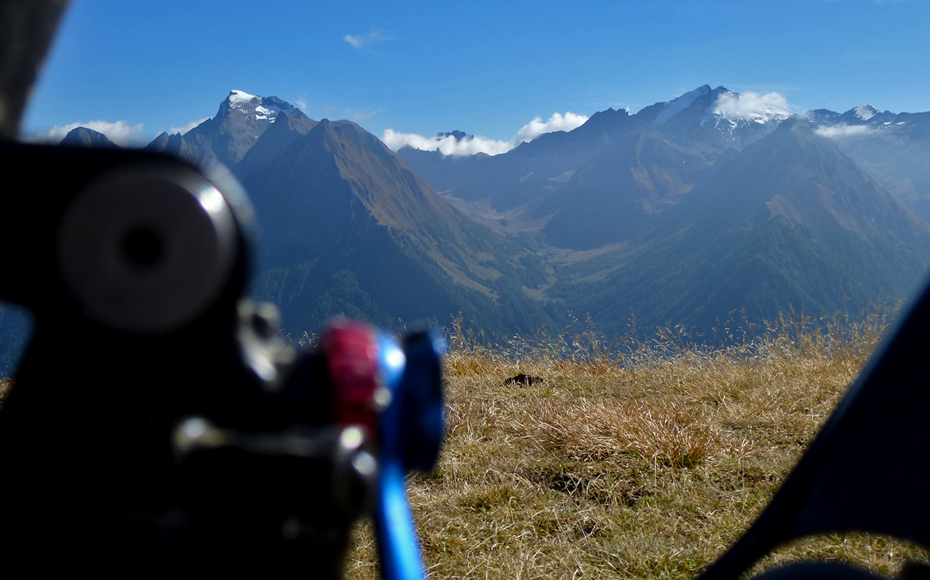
{"type": "Point", "coordinates": [631, 459]}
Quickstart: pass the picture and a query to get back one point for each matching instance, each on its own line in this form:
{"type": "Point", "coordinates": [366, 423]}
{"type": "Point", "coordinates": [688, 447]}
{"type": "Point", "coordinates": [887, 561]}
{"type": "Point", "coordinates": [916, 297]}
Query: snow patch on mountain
{"type": "Point", "coordinates": [266, 112]}
{"type": "Point", "coordinates": [865, 112]}
{"type": "Point", "coordinates": [239, 99]}
{"type": "Point", "coordinates": [264, 108]}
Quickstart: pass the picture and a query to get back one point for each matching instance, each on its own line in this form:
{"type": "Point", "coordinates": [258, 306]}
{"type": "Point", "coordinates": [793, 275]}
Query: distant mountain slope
{"type": "Point", "coordinates": [894, 149]}
{"type": "Point", "coordinates": [348, 227]}
{"type": "Point", "coordinates": [685, 211]}
{"type": "Point", "coordinates": [523, 175]}
{"type": "Point", "coordinates": [537, 180]}
{"type": "Point", "coordinates": [619, 192]}
{"type": "Point", "coordinates": [280, 135]}
{"type": "Point", "coordinates": [789, 222]}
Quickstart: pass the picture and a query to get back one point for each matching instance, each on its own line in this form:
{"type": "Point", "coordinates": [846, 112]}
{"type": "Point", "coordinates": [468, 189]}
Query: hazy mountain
{"type": "Point", "coordinates": [789, 222]}
{"type": "Point", "coordinates": [685, 211]}
{"type": "Point", "coordinates": [84, 137]}
{"type": "Point", "coordinates": [892, 148]}
{"type": "Point", "coordinates": [556, 176]}
{"type": "Point", "coordinates": [812, 219]}
{"type": "Point", "coordinates": [523, 175]}
{"type": "Point", "coordinates": [618, 193]}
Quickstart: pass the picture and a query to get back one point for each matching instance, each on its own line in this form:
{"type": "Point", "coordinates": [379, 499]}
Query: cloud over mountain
{"type": "Point", "coordinates": [447, 144]}
{"type": "Point", "coordinates": [450, 145]}
{"type": "Point", "coordinates": [556, 122]}
{"type": "Point", "coordinates": [752, 106]}
{"type": "Point", "coordinates": [841, 131]}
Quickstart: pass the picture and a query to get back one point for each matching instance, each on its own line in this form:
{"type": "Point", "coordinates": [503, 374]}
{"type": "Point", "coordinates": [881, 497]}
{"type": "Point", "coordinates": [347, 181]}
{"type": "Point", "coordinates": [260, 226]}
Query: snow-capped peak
{"type": "Point", "coordinates": [264, 108]}
{"type": "Point", "coordinates": [237, 99]}
{"type": "Point", "coordinates": [865, 112]}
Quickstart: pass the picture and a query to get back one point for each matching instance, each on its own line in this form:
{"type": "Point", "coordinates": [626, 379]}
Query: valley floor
{"type": "Point", "coordinates": [644, 465]}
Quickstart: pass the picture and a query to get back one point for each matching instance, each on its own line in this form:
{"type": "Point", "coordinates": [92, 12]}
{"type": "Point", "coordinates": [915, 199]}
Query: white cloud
{"type": "Point", "coordinates": [302, 105]}
{"type": "Point", "coordinates": [841, 131]}
{"type": "Point", "coordinates": [448, 144]}
{"type": "Point", "coordinates": [186, 128]}
{"type": "Point", "coordinates": [556, 122]}
{"type": "Point", "coordinates": [120, 132]}
{"type": "Point", "coordinates": [752, 106]}
{"type": "Point", "coordinates": [363, 40]}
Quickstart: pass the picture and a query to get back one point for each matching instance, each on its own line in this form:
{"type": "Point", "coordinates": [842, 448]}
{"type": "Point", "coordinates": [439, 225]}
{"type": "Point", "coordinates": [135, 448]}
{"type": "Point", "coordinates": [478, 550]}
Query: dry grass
{"type": "Point", "coordinates": [630, 460]}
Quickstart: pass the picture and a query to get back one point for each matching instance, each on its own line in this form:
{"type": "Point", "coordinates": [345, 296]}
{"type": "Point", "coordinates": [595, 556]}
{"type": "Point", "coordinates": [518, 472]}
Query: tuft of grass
{"type": "Point", "coordinates": [635, 458]}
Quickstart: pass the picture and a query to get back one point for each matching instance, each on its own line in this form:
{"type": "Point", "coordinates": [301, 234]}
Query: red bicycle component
{"type": "Point", "coordinates": [351, 352]}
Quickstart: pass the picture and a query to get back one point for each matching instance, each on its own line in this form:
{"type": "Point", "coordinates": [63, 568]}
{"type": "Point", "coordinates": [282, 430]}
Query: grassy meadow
{"type": "Point", "coordinates": [630, 460]}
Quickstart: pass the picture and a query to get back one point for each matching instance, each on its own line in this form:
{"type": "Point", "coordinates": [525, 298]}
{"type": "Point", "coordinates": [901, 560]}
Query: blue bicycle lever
{"type": "Point", "coordinates": [410, 434]}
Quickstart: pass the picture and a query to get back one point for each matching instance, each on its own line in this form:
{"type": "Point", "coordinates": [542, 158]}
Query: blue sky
{"type": "Point", "coordinates": [486, 68]}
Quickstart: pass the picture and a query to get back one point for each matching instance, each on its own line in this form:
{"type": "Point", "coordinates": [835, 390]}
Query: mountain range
{"type": "Point", "coordinates": [683, 213]}
{"type": "Point", "coordinates": [710, 204]}
{"type": "Point", "coordinates": [347, 227]}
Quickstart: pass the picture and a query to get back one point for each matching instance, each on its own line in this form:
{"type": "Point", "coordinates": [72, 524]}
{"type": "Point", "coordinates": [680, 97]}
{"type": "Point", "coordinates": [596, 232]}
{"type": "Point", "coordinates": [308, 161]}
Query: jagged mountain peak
{"type": "Point", "coordinates": [861, 115]}
{"type": "Point", "coordinates": [84, 137]}
{"type": "Point", "coordinates": [864, 112]}
{"type": "Point", "coordinates": [696, 98]}
{"type": "Point", "coordinates": [259, 108]}
{"type": "Point", "coordinates": [721, 109]}
{"type": "Point", "coordinates": [238, 98]}
{"type": "Point", "coordinates": [719, 117]}
{"type": "Point", "coordinates": [241, 120]}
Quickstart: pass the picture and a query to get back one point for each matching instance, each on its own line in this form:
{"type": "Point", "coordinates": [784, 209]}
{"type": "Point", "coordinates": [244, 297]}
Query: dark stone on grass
{"type": "Point", "coordinates": [524, 380]}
